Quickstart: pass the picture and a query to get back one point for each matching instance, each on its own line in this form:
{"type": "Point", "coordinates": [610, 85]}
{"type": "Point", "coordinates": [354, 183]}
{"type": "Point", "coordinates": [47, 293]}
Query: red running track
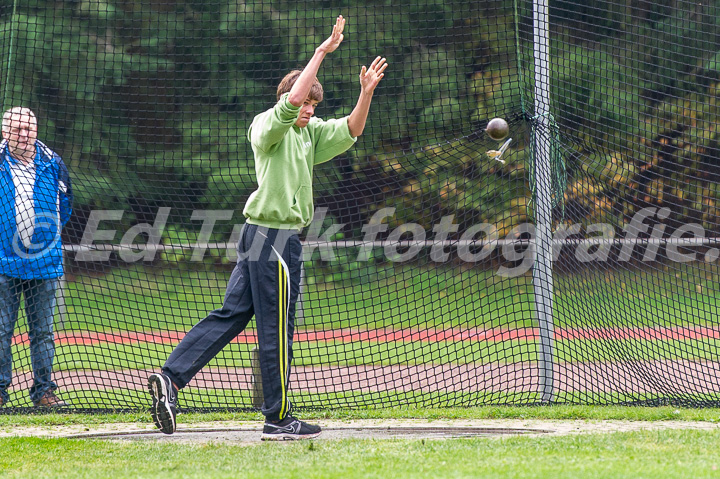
{"type": "Point", "coordinates": [90, 338]}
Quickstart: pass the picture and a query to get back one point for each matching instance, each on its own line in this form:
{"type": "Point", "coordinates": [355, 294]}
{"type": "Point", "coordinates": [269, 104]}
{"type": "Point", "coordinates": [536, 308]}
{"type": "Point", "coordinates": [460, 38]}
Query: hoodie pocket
{"type": "Point", "coordinates": [303, 204]}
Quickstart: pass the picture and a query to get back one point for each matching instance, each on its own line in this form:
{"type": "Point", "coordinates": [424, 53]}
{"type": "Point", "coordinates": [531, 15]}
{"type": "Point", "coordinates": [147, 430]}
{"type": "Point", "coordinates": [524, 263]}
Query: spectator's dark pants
{"type": "Point", "coordinates": [265, 282]}
{"type": "Point", "coordinates": [39, 309]}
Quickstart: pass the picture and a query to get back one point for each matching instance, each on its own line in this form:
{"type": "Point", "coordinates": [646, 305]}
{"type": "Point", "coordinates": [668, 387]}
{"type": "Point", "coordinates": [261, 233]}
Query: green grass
{"type": "Point", "coordinates": [552, 412]}
{"type": "Point", "coordinates": [142, 299]}
{"type": "Point", "coordinates": [138, 356]}
{"type": "Point", "coordinates": [666, 454]}
{"type": "Point", "coordinates": [404, 298]}
{"type": "Point", "coordinates": [648, 454]}
{"type": "Point", "coordinates": [114, 357]}
{"type": "Point", "coordinates": [145, 298]}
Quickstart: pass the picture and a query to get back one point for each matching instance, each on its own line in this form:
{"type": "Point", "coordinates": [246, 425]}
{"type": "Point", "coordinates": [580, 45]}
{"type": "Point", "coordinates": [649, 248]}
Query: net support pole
{"type": "Point", "coordinates": [299, 305]}
{"type": "Point", "coordinates": [256, 394]}
{"type": "Point", "coordinates": [542, 265]}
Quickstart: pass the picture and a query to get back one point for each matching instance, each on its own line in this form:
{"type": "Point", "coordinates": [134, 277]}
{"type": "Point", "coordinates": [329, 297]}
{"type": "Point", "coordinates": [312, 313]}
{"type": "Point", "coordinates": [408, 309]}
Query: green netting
{"type": "Point", "coordinates": [424, 279]}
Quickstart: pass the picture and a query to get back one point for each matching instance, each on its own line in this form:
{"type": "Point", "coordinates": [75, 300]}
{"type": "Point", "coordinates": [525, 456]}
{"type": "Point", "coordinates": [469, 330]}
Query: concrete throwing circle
{"type": "Point", "coordinates": [253, 434]}
{"type": "Point", "coordinates": [248, 432]}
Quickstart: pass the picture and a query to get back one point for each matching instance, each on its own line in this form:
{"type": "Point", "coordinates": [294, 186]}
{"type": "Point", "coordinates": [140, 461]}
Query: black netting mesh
{"type": "Point", "coordinates": [579, 266]}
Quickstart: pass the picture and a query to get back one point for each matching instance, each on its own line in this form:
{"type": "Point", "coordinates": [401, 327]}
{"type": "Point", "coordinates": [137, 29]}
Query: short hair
{"type": "Point", "coordinates": [286, 84]}
{"type": "Point", "coordinates": [20, 111]}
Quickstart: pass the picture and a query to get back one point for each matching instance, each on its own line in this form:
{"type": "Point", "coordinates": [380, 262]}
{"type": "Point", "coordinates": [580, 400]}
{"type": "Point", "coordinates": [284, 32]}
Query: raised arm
{"type": "Point", "coordinates": [301, 88]}
{"type": "Point", "coordinates": [369, 79]}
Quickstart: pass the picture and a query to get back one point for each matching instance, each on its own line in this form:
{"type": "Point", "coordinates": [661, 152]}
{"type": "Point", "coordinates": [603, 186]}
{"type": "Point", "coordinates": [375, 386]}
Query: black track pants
{"type": "Point", "coordinates": [264, 283]}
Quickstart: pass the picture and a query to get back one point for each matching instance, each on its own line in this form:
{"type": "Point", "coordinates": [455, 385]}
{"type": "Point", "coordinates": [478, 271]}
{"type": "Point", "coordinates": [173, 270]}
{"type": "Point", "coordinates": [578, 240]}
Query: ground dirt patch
{"type": "Point", "coordinates": [248, 432]}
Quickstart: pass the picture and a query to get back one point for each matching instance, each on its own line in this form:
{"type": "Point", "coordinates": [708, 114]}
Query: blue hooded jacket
{"type": "Point", "coordinates": [52, 196]}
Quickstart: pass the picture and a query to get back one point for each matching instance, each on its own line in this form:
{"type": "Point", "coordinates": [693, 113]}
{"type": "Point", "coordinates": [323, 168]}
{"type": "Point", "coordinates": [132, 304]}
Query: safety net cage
{"type": "Point", "coordinates": [572, 260]}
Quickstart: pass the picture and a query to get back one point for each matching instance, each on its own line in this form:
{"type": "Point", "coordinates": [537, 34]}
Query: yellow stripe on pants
{"type": "Point", "coordinates": [282, 331]}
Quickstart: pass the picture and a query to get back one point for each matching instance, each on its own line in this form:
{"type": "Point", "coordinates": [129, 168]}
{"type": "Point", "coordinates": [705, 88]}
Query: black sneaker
{"type": "Point", "coordinates": [289, 429]}
{"type": "Point", "coordinates": [164, 396]}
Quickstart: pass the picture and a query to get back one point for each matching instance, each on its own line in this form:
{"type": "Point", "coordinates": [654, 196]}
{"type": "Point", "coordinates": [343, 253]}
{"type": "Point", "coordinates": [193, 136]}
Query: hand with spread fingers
{"type": "Point", "coordinates": [308, 76]}
{"type": "Point", "coordinates": [334, 40]}
{"type": "Point", "coordinates": [370, 77]}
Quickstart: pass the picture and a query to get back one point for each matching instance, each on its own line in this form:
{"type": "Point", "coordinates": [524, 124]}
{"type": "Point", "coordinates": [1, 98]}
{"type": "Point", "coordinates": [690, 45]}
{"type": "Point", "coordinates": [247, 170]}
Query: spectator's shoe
{"type": "Point", "coordinates": [2, 401]}
{"type": "Point", "coordinates": [49, 399]}
{"type": "Point", "coordinates": [289, 429]}
{"type": "Point", "coordinates": [164, 396]}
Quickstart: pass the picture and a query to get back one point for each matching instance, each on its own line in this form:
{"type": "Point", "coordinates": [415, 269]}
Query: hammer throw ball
{"type": "Point", "coordinates": [497, 129]}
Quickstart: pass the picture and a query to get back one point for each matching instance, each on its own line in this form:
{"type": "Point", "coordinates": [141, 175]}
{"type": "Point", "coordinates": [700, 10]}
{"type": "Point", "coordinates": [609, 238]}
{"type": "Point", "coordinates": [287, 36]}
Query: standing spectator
{"type": "Point", "coordinates": [287, 143]}
{"type": "Point", "coordinates": [36, 203]}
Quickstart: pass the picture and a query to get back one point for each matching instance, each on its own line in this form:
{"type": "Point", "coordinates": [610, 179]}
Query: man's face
{"type": "Point", "coordinates": [306, 112]}
{"type": "Point", "coordinates": [21, 133]}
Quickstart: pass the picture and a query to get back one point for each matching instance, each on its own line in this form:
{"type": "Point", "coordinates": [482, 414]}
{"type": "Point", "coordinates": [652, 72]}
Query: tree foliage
{"type": "Point", "coordinates": [149, 102]}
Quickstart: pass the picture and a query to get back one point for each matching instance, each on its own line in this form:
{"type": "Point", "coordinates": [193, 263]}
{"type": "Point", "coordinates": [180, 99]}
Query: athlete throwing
{"type": "Point", "coordinates": [287, 142]}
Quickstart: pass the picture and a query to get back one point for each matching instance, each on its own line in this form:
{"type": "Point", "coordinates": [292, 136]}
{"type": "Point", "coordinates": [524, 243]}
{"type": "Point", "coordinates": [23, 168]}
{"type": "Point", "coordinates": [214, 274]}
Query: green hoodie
{"type": "Point", "coordinates": [284, 160]}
